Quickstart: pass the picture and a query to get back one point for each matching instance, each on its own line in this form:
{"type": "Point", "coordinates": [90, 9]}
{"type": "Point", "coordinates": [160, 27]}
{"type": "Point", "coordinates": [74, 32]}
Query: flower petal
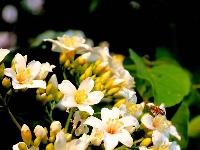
{"type": "Point", "coordinates": [147, 120]}
{"type": "Point", "coordinates": [86, 108]}
{"type": "Point", "coordinates": [34, 67]}
{"type": "Point", "coordinates": [107, 113]}
{"type": "Point", "coordinates": [94, 97]}
{"type": "Point", "coordinates": [94, 122]}
{"type": "Point", "coordinates": [67, 88]}
{"type": "Point", "coordinates": [129, 121]}
{"type": "Point", "coordinates": [125, 138]}
{"type": "Point", "coordinates": [110, 142]}
{"type": "Point", "coordinates": [20, 62]}
{"type": "Point", "coordinates": [87, 85]}
{"type": "Point", "coordinates": [68, 102]}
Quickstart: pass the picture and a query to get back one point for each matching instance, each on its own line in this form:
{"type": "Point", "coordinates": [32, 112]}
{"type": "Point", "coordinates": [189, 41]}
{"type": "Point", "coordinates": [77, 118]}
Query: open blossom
{"type": "Point", "coordinates": [113, 127]}
{"type": "Point", "coordinates": [24, 76]}
{"type": "Point", "coordinates": [81, 97]}
{"type": "Point", "coordinates": [3, 53]}
{"type": "Point", "coordinates": [161, 124]}
{"type": "Point", "coordinates": [67, 44]}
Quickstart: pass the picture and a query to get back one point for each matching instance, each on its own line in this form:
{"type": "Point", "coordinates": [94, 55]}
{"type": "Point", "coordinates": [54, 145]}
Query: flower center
{"type": "Point", "coordinates": [113, 125]}
{"type": "Point", "coordinates": [23, 75]}
{"type": "Point", "coordinates": [69, 42]}
{"type": "Point", "coordinates": [80, 96]}
{"type": "Point", "coordinates": [132, 108]}
{"type": "Point", "coordinates": [160, 123]}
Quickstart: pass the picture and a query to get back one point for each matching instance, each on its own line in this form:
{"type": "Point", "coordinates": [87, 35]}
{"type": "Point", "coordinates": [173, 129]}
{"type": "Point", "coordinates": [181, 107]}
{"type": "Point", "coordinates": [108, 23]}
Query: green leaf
{"type": "Point", "coordinates": [194, 127]}
{"type": "Point", "coordinates": [180, 120]}
{"type": "Point", "coordinates": [170, 84]}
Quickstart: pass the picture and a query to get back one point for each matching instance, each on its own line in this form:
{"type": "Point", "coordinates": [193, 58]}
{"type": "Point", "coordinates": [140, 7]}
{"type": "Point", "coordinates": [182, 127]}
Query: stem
{"type": "Point", "coordinates": [10, 113]}
{"type": "Point", "coordinates": [138, 141]}
{"type": "Point", "coordinates": [68, 120]}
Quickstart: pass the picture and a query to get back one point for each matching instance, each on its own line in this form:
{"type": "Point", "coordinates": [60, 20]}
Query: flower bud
{"type": "Point", "coordinates": [50, 146]}
{"type": "Point", "coordinates": [88, 72]}
{"type": "Point", "coordinates": [37, 141]}
{"type": "Point", "coordinates": [113, 90]}
{"type": "Point", "coordinates": [62, 58]}
{"type": "Point", "coordinates": [68, 137]}
{"type": "Point", "coordinates": [2, 67]}
{"type": "Point", "coordinates": [26, 135]}
{"type": "Point", "coordinates": [22, 146]}
{"type": "Point", "coordinates": [49, 88]}
{"type": "Point", "coordinates": [122, 101]}
{"type": "Point", "coordinates": [6, 82]}
{"type": "Point", "coordinates": [105, 76]}
{"type": "Point", "coordinates": [145, 142]}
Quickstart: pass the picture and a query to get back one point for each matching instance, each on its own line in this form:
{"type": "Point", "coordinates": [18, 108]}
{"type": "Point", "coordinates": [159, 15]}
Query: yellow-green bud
{"type": "Point", "coordinates": [37, 141]}
{"type": "Point", "coordinates": [88, 72]}
{"type": "Point", "coordinates": [109, 83]}
{"type": "Point", "coordinates": [113, 90]}
{"type": "Point", "coordinates": [97, 87]}
{"type": "Point", "coordinates": [22, 146]}
{"type": "Point", "coordinates": [59, 96]}
{"type": "Point", "coordinates": [83, 114]}
{"type": "Point", "coordinates": [145, 142]}
{"type": "Point", "coordinates": [9, 92]}
{"type": "Point", "coordinates": [6, 82]}
{"type": "Point", "coordinates": [50, 146]}
{"type": "Point", "coordinates": [105, 76]}
{"type": "Point", "coordinates": [2, 67]}
{"type": "Point", "coordinates": [83, 68]}
{"type": "Point", "coordinates": [68, 137]}
{"type": "Point", "coordinates": [149, 134]}
{"type": "Point", "coordinates": [67, 63]}
{"type": "Point", "coordinates": [82, 77]}
{"type": "Point", "coordinates": [122, 101]}
{"type": "Point", "coordinates": [98, 79]}
{"type": "Point", "coordinates": [49, 88]}
{"type": "Point", "coordinates": [93, 77]}
{"type": "Point", "coordinates": [62, 58]}
{"type": "Point", "coordinates": [98, 62]}
{"type": "Point", "coordinates": [50, 97]}
{"type": "Point", "coordinates": [100, 68]}
{"type": "Point", "coordinates": [52, 138]}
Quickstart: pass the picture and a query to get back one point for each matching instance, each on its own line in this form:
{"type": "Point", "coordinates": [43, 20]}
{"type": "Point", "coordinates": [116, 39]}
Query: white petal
{"type": "Point", "coordinates": [147, 120]}
{"type": "Point", "coordinates": [20, 61]}
{"type": "Point", "coordinates": [157, 138]}
{"type": "Point", "coordinates": [94, 122]}
{"type": "Point", "coordinates": [67, 88]}
{"type": "Point", "coordinates": [37, 84]}
{"type": "Point", "coordinates": [18, 86]}
{"type": "Point", "coordinates": [68, 102]}
{"type": "Point", "coordinates": [86, 108]}
{"type": "Point", "coordinates": [10, 73]}
{"type": "Point", "coordinates": [60, 143]}
{"type": "Point", "coordinates": [173, 131]}
{"type": "Point", "coordinates": [94, 97]}
{"type": "Point", "coordinates": [87, 85]}
{"type": "Point", "coordinates": [125, 138]}
{"type": "Point", "coordinates": [129, 121]}
{"type": "Point", "coordinates": [107, 113]}
{"type": "Point", "coordinates": [34, 67]}
{"type": "Point", "coordinates": [3, 53]}
{"type": "Point", "coordinates": [110, 142]}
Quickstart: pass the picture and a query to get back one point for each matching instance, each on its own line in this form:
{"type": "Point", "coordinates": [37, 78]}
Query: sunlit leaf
{"type": "Point", "coordinates": [194, 127]}
{"type": "Point", "coordinates": [180, 121]}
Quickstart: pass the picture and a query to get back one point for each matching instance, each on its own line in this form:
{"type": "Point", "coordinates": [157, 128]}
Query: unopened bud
{"type": "Point", "coordinates": [37, 141]}
{"type": "Point", "coordinates": [88, 72]}
{"type": "Point", "coordinates": [22, 146]}
{"type": "Point", "coordinates": [105, 76]}
{"type": "Point", "coordinates": [122, 101]}
{"type": "Point", "coordinates": [9, 92]}
{"type": "Point", "coordinates": [49, 88]}
{"type": "Point", "coordinates": [113, 90]}
{"type": "Point", "coordinates": [6, 82]}
{"type": "Point", "coordinates": [50, 97]}
{"type": "Point", "coordinates": [59, 96]}
{"type": "Point", "coordinates": [68, 137]}
{"type": "Point", "coordinates": [62, 58]}
{"type": "Point", "coordinates": [67, 63]}
{"type": "Point", "coordinates": [145, 142]}
{"type": "Point", "coordinates": [50, 146]}
{"type": "Point", "coordinates": [2, 67]}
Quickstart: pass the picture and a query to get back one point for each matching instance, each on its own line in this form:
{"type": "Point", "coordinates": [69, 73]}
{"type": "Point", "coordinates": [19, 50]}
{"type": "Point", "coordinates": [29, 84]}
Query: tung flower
{"type": "Point", "coordinates": [24, 75]}
{"type": "Point", "coordinates": [81, 97]}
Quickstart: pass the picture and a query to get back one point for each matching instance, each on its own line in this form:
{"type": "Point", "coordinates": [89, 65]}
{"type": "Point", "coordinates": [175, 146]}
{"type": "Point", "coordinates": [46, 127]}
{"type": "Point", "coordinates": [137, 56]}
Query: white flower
{"type": "Point", "coordinates": [60, 142]}
{"type": "Point", "coordinates": [130, 107]}
{"type": "Point", "coordinates": [44, 70]}
{"type": "Point", "coordinates": [3, 53]}
{"type": "Point", "coordinates": [25, 75]}
{"type": "Point", "coordinates": [82, 127]}
{"type": "Point", "coordinates": [113, 127]}
{"type": "Point", "coordinates": [40, 131]}
{"type": "Point", "coordinates": [66, 44]}
{"type": "Point", "coordinates": [81, 97]}
{"type": "Point", "coordinates": [161, 124]}
{"type": "Point", "coordinates": [79, 144]}
{"type": "Point", "coordinates": [55, 127]}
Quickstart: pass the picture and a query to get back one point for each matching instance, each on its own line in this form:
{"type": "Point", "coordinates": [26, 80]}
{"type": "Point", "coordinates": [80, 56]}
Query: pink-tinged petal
{"type": "Point", "coordinates": [110, 142]}
{"type": "Point", "coordinates": [37, 84]}
{"type": "Point", "coordinates": [68, 102]}
{"type": "Point", "coordinates": [125, 138]}
{"type": "Point", "coordinates": [76, 144]}
{"type": "Point", "coordinates": [107, 113]}
{"type": "Point", "coordinates": [34, 67]}
{"type": "Point", "coordinates": [60, 142]}
{"type": "Point", "coordinates": [86, 108]}
{"type": "Point", "coordinates": [147, 120]}
{"type": "Point", "coordinates": [94, 122]}
{"type": "Point", "coordinates": [20, 62]}
{"type": "Point", "coordinates": [129, 121]}
{"type": "Point", "coordinates": [87, 85]}
{"type": "Point", "coordinates": [94, 97]}
{"type": "Point", "coordinates": [3, 53]}
{"type": "Point", "coordinates": [67, 88]}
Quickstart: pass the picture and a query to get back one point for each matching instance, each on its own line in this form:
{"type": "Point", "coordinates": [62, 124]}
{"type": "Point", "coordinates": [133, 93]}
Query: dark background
{"type": "Point", "coordinates": [170, 23]}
